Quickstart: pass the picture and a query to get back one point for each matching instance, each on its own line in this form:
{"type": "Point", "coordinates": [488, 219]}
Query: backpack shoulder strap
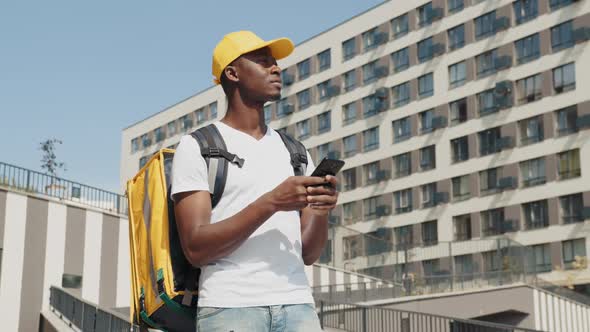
{"type": "Point", "coordinates": [217, 157]}
{"type": "Point", "coordinates": [297, 152]}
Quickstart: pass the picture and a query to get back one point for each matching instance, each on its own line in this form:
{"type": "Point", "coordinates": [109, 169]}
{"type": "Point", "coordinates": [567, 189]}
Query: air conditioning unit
{"type": "Point", "coordinates": [437, 49]}
{"type": "Point", "coordinates": [439, 122]}
{"type": "Point", "coordinates": [503, 62]}
{"type": "Point", "coordinates": [380, 105]}
{"type": "Point", "coordinates": [507, 183]}
{"type": "Point", "coordinates": [583, 121]}
{"type": "Point", "coordinates": [383, 174]}
{"type": "Point", "coordinates": [581, 34]}
{"type": "Point", "coordinates": [381, 93]}
{"type": "Point", "coordinates": [441, 197]}
{"type": "Point", "coordinates": [506, 142]}
{"type": "Point", "coordinates": [333, 91]}
{"type": "Point", "coordinates": [436, 13]}
{"type": "Point", "coordinates": [288, 108]}
{"type": "Point", "coordinates": [381, 232]}
{"type": "Point", "coordinates": [381, 71]}
{"type": "Point", "coordinates": [501, 23]}
{"type": "Point", "coordinates": [287, 79]}
{"type": "Point", "coordinates": [383, 210]}
{"type": "Point", "coordinates": [381, 38]}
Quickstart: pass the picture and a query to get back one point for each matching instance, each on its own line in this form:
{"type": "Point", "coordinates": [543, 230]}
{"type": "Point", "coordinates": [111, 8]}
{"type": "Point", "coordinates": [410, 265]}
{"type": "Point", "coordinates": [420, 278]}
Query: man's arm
{"type": "Point", "coordinates": [314, 219]}
{"type": "Point", "coordinates": [203, 242]}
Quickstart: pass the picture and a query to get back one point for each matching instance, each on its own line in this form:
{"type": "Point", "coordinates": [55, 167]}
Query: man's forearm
{"type": "Point", "coordinates": [314, 235]}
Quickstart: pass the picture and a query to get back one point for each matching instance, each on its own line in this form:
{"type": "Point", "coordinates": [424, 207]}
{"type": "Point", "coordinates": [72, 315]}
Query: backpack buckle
{"type": "Point", "coordinates": [238, 161]}
{"type": "Point", "coordinates": [214, 152]}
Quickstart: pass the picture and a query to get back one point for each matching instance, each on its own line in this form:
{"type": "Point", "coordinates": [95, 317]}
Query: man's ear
{"type": "Point", "coordinates": [231, 73]}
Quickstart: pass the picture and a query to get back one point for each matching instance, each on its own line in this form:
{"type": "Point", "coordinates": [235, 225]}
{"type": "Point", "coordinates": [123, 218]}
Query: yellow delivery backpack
{"type": "Point", "coordinates": [164, 285]}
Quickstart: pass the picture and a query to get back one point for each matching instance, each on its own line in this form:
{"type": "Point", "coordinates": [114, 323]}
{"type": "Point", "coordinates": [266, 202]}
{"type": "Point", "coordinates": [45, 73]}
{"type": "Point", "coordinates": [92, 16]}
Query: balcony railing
{"type": "Point", "coordinates": [29, 181]}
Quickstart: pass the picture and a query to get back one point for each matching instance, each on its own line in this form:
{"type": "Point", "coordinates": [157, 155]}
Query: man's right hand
{"type": "Point", "coordinates": [291, 194]}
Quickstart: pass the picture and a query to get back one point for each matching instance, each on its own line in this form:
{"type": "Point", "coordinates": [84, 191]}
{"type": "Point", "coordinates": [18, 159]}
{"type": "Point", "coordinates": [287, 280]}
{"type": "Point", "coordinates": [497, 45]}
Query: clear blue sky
{"type": "Point", "coordinates": [81, 71]}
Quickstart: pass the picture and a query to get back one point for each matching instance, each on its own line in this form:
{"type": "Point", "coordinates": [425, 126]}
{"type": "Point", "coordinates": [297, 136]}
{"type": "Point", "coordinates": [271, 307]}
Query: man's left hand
{"type": "Point", "coordinates": [322, 199]}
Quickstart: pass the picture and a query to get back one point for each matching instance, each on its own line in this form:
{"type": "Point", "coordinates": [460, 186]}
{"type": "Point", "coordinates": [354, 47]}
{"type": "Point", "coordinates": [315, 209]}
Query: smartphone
{"type": "Point", "coordinates": [328, 167]}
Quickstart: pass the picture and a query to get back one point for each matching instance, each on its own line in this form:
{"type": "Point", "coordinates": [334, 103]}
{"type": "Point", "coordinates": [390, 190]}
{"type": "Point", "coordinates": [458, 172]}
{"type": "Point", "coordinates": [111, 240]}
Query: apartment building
{"type": "Point", "coordinates": [460, 121]}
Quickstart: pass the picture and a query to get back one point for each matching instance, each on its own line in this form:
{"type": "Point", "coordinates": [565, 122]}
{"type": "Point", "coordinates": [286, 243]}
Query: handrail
{"type": "Point", "coordinates": [29, 181]}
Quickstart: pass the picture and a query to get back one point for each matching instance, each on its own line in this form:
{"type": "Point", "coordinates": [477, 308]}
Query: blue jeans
{"type": "Point", "coordinates": [275, 318]}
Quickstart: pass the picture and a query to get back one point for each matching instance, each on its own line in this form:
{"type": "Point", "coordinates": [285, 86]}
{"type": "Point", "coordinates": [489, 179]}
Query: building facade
{"type": "Point", "coordinates": [460, 121]}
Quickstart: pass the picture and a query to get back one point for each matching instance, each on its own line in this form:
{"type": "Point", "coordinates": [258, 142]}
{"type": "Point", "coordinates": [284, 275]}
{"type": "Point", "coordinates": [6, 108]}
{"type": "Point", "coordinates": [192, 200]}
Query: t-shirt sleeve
{"type": "Point", "coordinates": [189, 169]}
{"type": "Point", "coordinates": [310, 165]}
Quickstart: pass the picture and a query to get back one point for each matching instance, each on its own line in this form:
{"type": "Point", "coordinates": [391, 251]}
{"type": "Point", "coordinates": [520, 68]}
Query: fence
{"type": "Point", "coordinates": [29, 181]}
{"type": "Point", "coordinates": [86, 316]}
{"type": "Point", "coordinates": [357, 318]}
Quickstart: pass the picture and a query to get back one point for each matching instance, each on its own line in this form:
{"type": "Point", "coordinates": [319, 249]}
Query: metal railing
{"type": "Point", "coordinates": [357, 318]}
{"type": "Point", "coordinates": [29, 181]}
{"type": "Point", "coordinates": [86, 316]}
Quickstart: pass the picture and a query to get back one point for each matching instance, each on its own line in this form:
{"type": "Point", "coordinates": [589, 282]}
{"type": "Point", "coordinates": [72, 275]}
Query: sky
{"type": "Point", "coordinates": [82, 71]}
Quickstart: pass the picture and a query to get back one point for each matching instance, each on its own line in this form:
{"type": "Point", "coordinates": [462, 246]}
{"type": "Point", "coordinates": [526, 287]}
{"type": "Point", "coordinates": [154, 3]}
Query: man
{"type": "Point", "coordinates": [253, 245]}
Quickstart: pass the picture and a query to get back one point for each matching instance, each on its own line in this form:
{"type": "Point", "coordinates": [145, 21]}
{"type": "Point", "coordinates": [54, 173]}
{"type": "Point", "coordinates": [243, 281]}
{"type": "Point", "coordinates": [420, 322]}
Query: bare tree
{"type": "Point", "coordinates": [49, 162]}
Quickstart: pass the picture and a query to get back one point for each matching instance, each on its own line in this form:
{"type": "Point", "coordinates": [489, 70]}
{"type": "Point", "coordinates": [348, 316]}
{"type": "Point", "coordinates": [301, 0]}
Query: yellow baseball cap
{"type": "Point", "coordinates": [241, 42]}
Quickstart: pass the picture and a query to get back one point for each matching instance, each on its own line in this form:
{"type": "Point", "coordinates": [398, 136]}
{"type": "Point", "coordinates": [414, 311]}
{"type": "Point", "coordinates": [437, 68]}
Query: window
{"type": "Point", "coordinates": [370, 208]}
{"type": "Point", "coordinates": [492, 222]}
{"type": "Point", "coordinates": [400, 26]}
{"type": "Point", "coordinates": [186, 122]}
{"type": "Point", "coordinates": [303, 99]}
{"type": "Point", "coordinates": [378, 242]}
{"type": "Point", "coordinates": [348, 212]}
{"type": "Point", "coordinates": [171, 128]}
{"type": "Point", "coordinates": [371, 139]}
{"type": "Point", "coordinates": [542, 255]}
{"type": "Point", "coordinates": [303, 129]}
{"type": "Point", "coordinates": [533, 172]}
{"type": "Point", "coordinates": [403, 201]}
{"type": "Point", "coordinates": [460, 148]}
{"type": "Point", "coordinates": [284, 108]}
{"type": "Point", "coordinates": [349, 113]}
{"type": "Point", "coordinates": [371, 171]}
{"type": "Point", "coordinates": [369, 72]}
{"type": "Point", "coordinates": [529, 88]}
{"type": "Point", "coordinates": [429, 233]}
{"type": "Point", "coordinates": [200, 116]}
{"type": "Point", "coordinates": [566, 120]}
{"type": "Point", "coordinates": [527, 48]}
{"type": "Point", "coordinates": [159, 134]}
{"type": "Point", "coordinates": [485, 101]}
{"type": "Point", "coordinates": [425, 50]}
{"type": "Point", "coordinates": [134, 145]}
{"type": "Point", "coordinates": [350, 145]}
{"type": "Point", "coordinates": [562, 36]}
{"type": "Point", "coordinates": [146, 141]}
{"type": "Point", "coordinates": [401, 129]}
{"type": "Point", "coordinates": [353, 246]}
{"type": "Point", "coordinates": [462, 227]}
{"type": "Point", "coordinates": [456, 37]}
{"type": "Point", "coordinates": [460, 188]}
{"type": "Point", "coordinates": [322, 89]}
{"type": "Point", "coordinates": [425, 85]}
{"type": "Point", "coordinates": [303, 69]}
{"type": "Point", "coordinates": [371, 106]}
{"type": "Point", "coordinates": [428, 190]}
{"type": "Point", "coordinates": [489, 181]}
{"type": "Point", "coordinates": [484, 25]}
{"type": "Point", "coordinates": [464, 266]}
{"type": "Point", "coordinates": [324, 122]}
{"type": "Point", "coordinates": [564, 78]}
{"type": "Point", "coordinates": [525, 10]}
{"type": "Point", "coordinates": [349, 49]}
{"type": "Point", "coordinates": [267, 113]}
{"type": "Point", "coordinates": [370, 39]}
{"type": "Point", "coordinates": [573, 250]}
{"type": "Point", "coordinates": [213, 110]}
{"type": "Point", "coordinates": [568, 164]}
{"type": "Point", "coordinates": [555, 4]}
{"type": "Point", "coordinates": [427, 158]}
{"type": "Point", "coordinates": [401, 94]}
{"type": "Point", "coordinates": [457, 74]}
{"type": "Point", "coordinates": [349, 179]}
{"type": "Point", "coordinates": [324, 60]}
{"type": "Point", "coordinates": [535, 214]}
{"type": "Point", "coordinates": [455, 6]}
{"type": "Point", "coordinates": [424, 14]}
{"type": "Point", "coordinates": [458, 110]}
{"type": "Point", "coordinates": [401, 60]}
{"type": "Point", "coordinates": [489, 141]}
{"type": "Point", "coordinates": [431, 267]}
{"type": "Point", "coordinates": [485, 63]}
{"type": "Point", "coordinates": [323, 150]}
{"type": "Point", "coordinates": [426, 121]}
{"type": "Point", "coordinates": [571, 208]}
{"type": "Point", "coordinates": [350, 80]}
{"type": "Point", "coordinates": [143, 161]}
{"type": "Point", "coordinates": [404, 236]}
{"type": "Point", "coordinates": [402, 164]}
{"type": "Point", "coordinates": [531, 130]}
{"type": "Point", "coordinates": [492, 261]}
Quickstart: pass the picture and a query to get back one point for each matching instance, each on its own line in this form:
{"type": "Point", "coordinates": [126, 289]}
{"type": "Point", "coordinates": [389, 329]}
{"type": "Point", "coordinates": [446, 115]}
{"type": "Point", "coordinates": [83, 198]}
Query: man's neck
{"type": "Point", "coordinates": [245, 116]}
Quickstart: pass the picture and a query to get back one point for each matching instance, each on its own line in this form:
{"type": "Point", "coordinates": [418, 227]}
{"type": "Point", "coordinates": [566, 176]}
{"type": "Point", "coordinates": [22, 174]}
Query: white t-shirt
{"type": "Point", "coordinates": [267, 269]}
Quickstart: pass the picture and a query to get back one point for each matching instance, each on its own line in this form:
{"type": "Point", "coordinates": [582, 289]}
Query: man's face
{"type": "Point", "coordinates": [260, 77]}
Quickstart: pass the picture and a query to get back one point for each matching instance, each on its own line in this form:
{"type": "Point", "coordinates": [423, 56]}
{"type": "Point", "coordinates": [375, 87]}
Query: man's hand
{"type": "Point", "coordinates": [322, 199]}
{"type": "Point", "coordinates": [292, 194]}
